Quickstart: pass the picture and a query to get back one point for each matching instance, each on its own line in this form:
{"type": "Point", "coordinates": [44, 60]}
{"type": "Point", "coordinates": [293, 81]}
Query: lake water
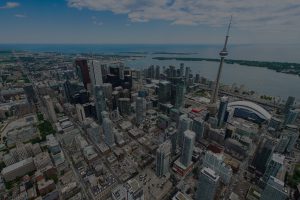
{"type": "Point", "coordinates": [262, 80]}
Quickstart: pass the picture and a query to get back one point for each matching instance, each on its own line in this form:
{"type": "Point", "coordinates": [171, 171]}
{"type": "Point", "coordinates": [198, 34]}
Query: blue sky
{"type": "Point", "coordinates": [144, 21]}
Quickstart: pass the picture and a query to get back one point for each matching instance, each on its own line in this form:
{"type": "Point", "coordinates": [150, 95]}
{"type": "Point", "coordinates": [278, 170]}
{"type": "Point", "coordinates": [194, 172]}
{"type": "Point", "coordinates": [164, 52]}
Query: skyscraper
{"type": "Point", "coordinates": [139, 109]}
{"type": "Point", "coordinates": [93, 131]}
{"type": "Point", "coordinates": [171, 133]}
{"type": "Point", "coordinates": [83, 71]}
{"type": "Point", "coordinates": [121, 71]}
{"type": "Point", "coordinates": [95, 72]}
{"type": "Point", "coordinates": [50, 108]}
{"type": "Point", "coordinates": [289, 104]}
{"type": "Point", "coordinates": [185, 123]}
{"type": "Point", "coordinates": [179, 98]}
{"type": "Point", "coordinates": [100, 102]}
{"type": "Point", "coordinates": [222, 110]}
{"type": "Point", "coordinates": [223, 54]}
{"type": "Point", "coordinates": [275, 124]}
{"type": "Point", "coordinates": [108, 132]}
{"type": "Point", "coordinates": [80, 112]}
{"type": "Point", "coordinates": [107, 90]}
{"type": "Point", "coordinates": [291, 116]}
{"type": "Point", "coordinates": [187, 74]}
{"type": "Point", "coordinates": [181, 70]}
{"type": "Point", "coordinates": [151, 72]}
{"type": "Point", "coordinates": [124, 106]}
{"type": "Point", "coordinates": [157, 72]}
{"type": "Point", "coordinates": [74, 92]}
{"type": "Point", "coordinates": [293, 134]}
{"type": "Point", "coordinates": [188, 147]}
{"type": "Point", "coordinates": [197, 78]}
{"type": "Point", "coordinates": [207, 185]}
{"type": "Point", "coordinates": [274, 190]}
{"type": "Point", "coordinates": [198, 127]}
{"type": "Point", "coordinates": [288, 139]}
{"type": "Point", "coordinates": [283, 142]}
{"type": "Point", "coordinates": [215, 161]}
{"type": "Point", "coordinates": [164, 91]}
{"type": "Point", "coordinates": [104, 114]}
{"type": "Point", "coordinates": [273, 166]}
{"type": "Point", "coordinates": [262, 155]}
{"type": "Point", "coordinates": [67, 90]}
{"type": "Point", "coordinates": [163, 158]}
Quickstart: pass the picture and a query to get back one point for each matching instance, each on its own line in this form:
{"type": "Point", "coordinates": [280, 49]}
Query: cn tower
{"type": "Point", "coordinates": [223, 54]}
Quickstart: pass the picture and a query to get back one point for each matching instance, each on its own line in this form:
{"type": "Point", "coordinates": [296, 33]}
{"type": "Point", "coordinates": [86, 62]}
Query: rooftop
{"type": "Point", "coordinates": [279, 158]}
{"type": "Point", "coordinates": [17, 165]}
{"type": "Point", "coordinates": [276, 182]}
{"type": "Point", "coordinates": [190, 134]}
{"type": "Point", "coordinates": [210, 173]}
{"type": "Point", "coordinates": [260, 111]}
{"type": "Point", "coordinates": [119, 192]}
{"type": "Point", "coordinates": [180, 196]}
{"type": "Point", "coordinates": [133, 185]}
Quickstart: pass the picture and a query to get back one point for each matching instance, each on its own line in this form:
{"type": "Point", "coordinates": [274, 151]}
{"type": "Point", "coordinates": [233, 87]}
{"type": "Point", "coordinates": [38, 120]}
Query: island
{"type": "Point", "coordinates": [283, 67]}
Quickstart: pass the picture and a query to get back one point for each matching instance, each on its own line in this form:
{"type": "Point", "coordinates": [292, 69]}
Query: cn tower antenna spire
{"type": "Point", "coordinates": [227, 35]}
{"type": "Point", "coordinates": [229, 26]}
{"type": "Point", "coordinates": [223, 55]}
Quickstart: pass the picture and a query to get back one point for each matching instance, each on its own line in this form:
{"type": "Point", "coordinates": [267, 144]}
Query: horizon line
{"type": "Point", "coordinates": [191, 44]}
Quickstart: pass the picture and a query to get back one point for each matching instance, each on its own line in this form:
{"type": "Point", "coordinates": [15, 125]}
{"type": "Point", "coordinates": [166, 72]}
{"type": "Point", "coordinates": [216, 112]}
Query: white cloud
{"type": "Point", "coordinates": [96, 21]}
{"type": "Point", "coordinates": [247, 14]}
{"type": "Point", "coordinates": [20, 16]}
{"type": "Point", "coordinates": [184, 22]}
{"type": "Point", "coordinates": [10, 5]}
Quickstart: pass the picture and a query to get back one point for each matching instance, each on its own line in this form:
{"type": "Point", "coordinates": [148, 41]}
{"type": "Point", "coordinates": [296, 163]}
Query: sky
{"type": "Point", "coordinates": [149, 21]}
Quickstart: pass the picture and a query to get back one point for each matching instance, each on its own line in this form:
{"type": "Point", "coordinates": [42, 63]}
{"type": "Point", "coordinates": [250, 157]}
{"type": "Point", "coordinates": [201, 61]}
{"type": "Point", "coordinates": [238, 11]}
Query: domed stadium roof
{"type": "Point", "coordinates": [260, 111]}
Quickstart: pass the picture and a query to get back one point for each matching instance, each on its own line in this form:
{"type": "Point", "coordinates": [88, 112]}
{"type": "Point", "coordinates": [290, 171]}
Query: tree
{"type": "Point", "coordinates": [2, 165]}
{"type": "Point", "coordinates": [196, 172]}
{"type": "Point", "coordinates": [40, 116]}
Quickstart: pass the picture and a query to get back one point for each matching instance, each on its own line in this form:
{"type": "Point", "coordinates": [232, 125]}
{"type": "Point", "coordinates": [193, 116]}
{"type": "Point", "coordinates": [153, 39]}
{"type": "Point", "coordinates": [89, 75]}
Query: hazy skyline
{"type": "Point", "coordinates": [146, 22]}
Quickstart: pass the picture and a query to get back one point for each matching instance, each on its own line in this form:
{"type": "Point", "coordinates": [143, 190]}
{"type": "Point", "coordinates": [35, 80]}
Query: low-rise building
{"type": "Point", "coordinates": [42, 160]}
{"type": "Point", "coordinates": [44, 187]}
{"type": "Point", "coordinates": [18, 169]}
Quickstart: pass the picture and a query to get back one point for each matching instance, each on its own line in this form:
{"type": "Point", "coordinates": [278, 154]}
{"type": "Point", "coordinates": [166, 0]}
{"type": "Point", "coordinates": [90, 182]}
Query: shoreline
{"type": "Point", "coordinates": [280, 67]}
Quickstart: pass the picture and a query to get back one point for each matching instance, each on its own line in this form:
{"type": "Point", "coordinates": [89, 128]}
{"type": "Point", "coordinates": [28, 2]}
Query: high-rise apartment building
{"type": "Point", "coordinates": [187, 148]}
{"type": "Point", "coordinates": [291, 116]}
{"type": "Point", "coordinates": [179, 91]}
{"type": "Point", "coordinates": [50, 108]}
{"type": "Point", "coordinates": [185, 123]}
{"type": "Point", "coordinates": [124, 106]}
{"type": "Point", "coordinates": [164, 91]}
{"type": "Point", "coordinates": [139, 109]}
{"type": "Point", "coordinates": [100, 102]}
{"type": "Point", "coordinates": [198, 127]}
{"type": "Point", "coordinates": [274, 190]}
{"type": "Point", "coordinates": [108, 132]}
{"type": "Point", "coordinates": [216, 162]}
{"type": "Point", "coordinates": [163, 158]}
{"type": "Point", "coordinates": [95, 72]}
{"type": "Point", "coordinates": [293, 133]}
{"type": "Point", "coordinates": [222, 111]}
{"type": "Point", "coordinates": [273, 166]}
{"type": "Point", "coordinates": [83, 71]}
{"type": "Point", "coordinates": [289, 104]}
{"type": "Point", "coordinates": [80, 112]}
{"type": "Point", "coordinates": [262, 155]}
{"type": "Point", "coordinates": [207, 185]}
